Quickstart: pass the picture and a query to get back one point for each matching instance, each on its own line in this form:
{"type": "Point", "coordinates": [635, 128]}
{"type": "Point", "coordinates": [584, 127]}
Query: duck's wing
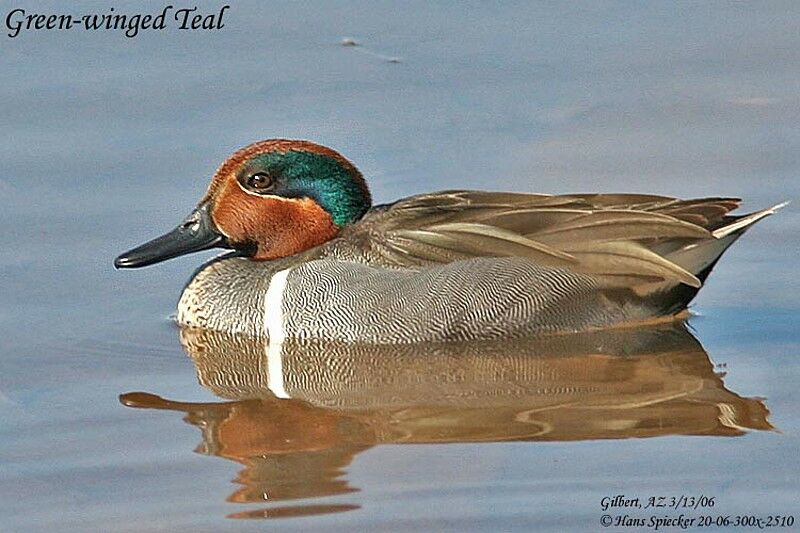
{"type": "Point", "coordinates": [709, 213]}
{"type": "Point", "coordinates": [621, 239]}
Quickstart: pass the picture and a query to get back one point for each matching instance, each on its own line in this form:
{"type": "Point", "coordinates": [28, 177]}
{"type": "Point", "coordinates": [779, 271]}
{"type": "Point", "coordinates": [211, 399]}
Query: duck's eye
{"type": "Point", "coordinates": [260, 182]}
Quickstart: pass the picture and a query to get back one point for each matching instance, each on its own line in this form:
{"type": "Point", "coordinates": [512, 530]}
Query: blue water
{"type": "Point", "coordinates": [110, 141]}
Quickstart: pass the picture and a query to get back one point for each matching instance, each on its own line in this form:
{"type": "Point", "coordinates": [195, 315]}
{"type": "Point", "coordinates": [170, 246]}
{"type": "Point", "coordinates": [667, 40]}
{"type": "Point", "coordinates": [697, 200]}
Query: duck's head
{"type": "Point", "coordinates": [270, 199]}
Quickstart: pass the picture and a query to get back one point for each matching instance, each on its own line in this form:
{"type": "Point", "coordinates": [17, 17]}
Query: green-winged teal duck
{"type": "Point", "coordinates": [312, 258]}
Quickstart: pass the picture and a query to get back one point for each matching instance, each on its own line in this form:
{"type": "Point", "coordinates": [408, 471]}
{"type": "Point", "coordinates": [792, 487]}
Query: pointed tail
{"type": "Point", "coordinates": [699, 258]}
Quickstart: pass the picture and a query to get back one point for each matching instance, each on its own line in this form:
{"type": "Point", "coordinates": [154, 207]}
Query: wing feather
{"type": "Point", "coordinates": [483, 240]}
{"type": "Point", "coordinates": [628, 259]}
{"type": "Point", "coordinates": [618, 238]}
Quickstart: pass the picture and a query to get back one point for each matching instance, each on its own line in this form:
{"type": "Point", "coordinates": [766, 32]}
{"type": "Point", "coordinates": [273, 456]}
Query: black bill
{"type": "Point", "coordinates": [197, 232]}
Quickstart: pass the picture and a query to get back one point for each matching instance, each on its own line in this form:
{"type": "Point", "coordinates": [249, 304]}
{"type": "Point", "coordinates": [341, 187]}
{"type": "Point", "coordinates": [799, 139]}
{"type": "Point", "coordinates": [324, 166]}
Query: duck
{"type": "Point", "coordinates": [309, 257]}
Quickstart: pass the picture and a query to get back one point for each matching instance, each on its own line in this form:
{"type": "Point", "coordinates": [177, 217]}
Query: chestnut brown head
{"type": "Point", "coordinates": [271, 199]}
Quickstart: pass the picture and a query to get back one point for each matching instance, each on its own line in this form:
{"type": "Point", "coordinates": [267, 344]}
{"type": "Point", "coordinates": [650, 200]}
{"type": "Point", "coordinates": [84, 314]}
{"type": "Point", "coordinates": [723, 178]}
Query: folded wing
{"type": "Point", "coordinates": [623, 240]}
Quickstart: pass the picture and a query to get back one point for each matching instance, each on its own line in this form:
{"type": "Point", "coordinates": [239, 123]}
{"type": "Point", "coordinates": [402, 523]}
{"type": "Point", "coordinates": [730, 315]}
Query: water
{"type": "Point", "coordinates": [112, 140]}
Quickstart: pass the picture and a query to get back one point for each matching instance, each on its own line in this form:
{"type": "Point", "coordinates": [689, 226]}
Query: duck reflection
{"type": "Point", "coordinates": [298, 413]}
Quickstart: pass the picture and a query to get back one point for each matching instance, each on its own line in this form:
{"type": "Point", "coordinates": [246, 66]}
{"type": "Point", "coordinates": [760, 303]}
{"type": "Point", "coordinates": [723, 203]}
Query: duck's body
{"type": "Point", "coordinates": [343, 296]}
{"type": "Point", "coordinates": [453, 265]}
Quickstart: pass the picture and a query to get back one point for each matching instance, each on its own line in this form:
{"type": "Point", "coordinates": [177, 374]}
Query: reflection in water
{"type": "Point", "coordinates": [299, 413]}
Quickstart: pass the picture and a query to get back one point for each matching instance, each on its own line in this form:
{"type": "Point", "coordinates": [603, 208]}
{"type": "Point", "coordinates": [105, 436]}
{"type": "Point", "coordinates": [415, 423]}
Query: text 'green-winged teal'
{"type": "Point", "coordinates": [312, 258]}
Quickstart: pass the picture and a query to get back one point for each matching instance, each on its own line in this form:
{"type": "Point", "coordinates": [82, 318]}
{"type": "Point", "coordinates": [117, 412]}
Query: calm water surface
{"type": "Point", "coordinates": [112, 419]}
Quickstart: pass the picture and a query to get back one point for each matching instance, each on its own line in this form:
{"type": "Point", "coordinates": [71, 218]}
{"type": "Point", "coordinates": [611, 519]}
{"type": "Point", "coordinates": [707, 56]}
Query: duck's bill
{"type": "Point", "coordinates": [197, 232]}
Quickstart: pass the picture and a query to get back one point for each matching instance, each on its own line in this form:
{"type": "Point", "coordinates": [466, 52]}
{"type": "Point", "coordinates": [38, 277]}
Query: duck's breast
{"type": "Point", "coordinates": [227, 295]}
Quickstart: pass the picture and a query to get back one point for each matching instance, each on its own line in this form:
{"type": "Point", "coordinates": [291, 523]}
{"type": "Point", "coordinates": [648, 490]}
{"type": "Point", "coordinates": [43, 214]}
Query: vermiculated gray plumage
{"type": "Point", "coordinates": [487, 298]}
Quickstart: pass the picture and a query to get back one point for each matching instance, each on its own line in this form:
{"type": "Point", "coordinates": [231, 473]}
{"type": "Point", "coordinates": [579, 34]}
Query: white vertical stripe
{"type": "Point", "coordinates": [275, 369]}
{"type": "Point", "coordinates": [273, 325]}
{"type": "Point", "coordinates": [273, 306]}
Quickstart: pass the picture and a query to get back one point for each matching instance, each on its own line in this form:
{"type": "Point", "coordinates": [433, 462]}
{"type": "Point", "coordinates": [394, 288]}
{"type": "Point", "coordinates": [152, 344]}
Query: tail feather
{"type": "Point", "coordinates": [742, 223]}
{"type": "Point", "coordinates": [699, 258]}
